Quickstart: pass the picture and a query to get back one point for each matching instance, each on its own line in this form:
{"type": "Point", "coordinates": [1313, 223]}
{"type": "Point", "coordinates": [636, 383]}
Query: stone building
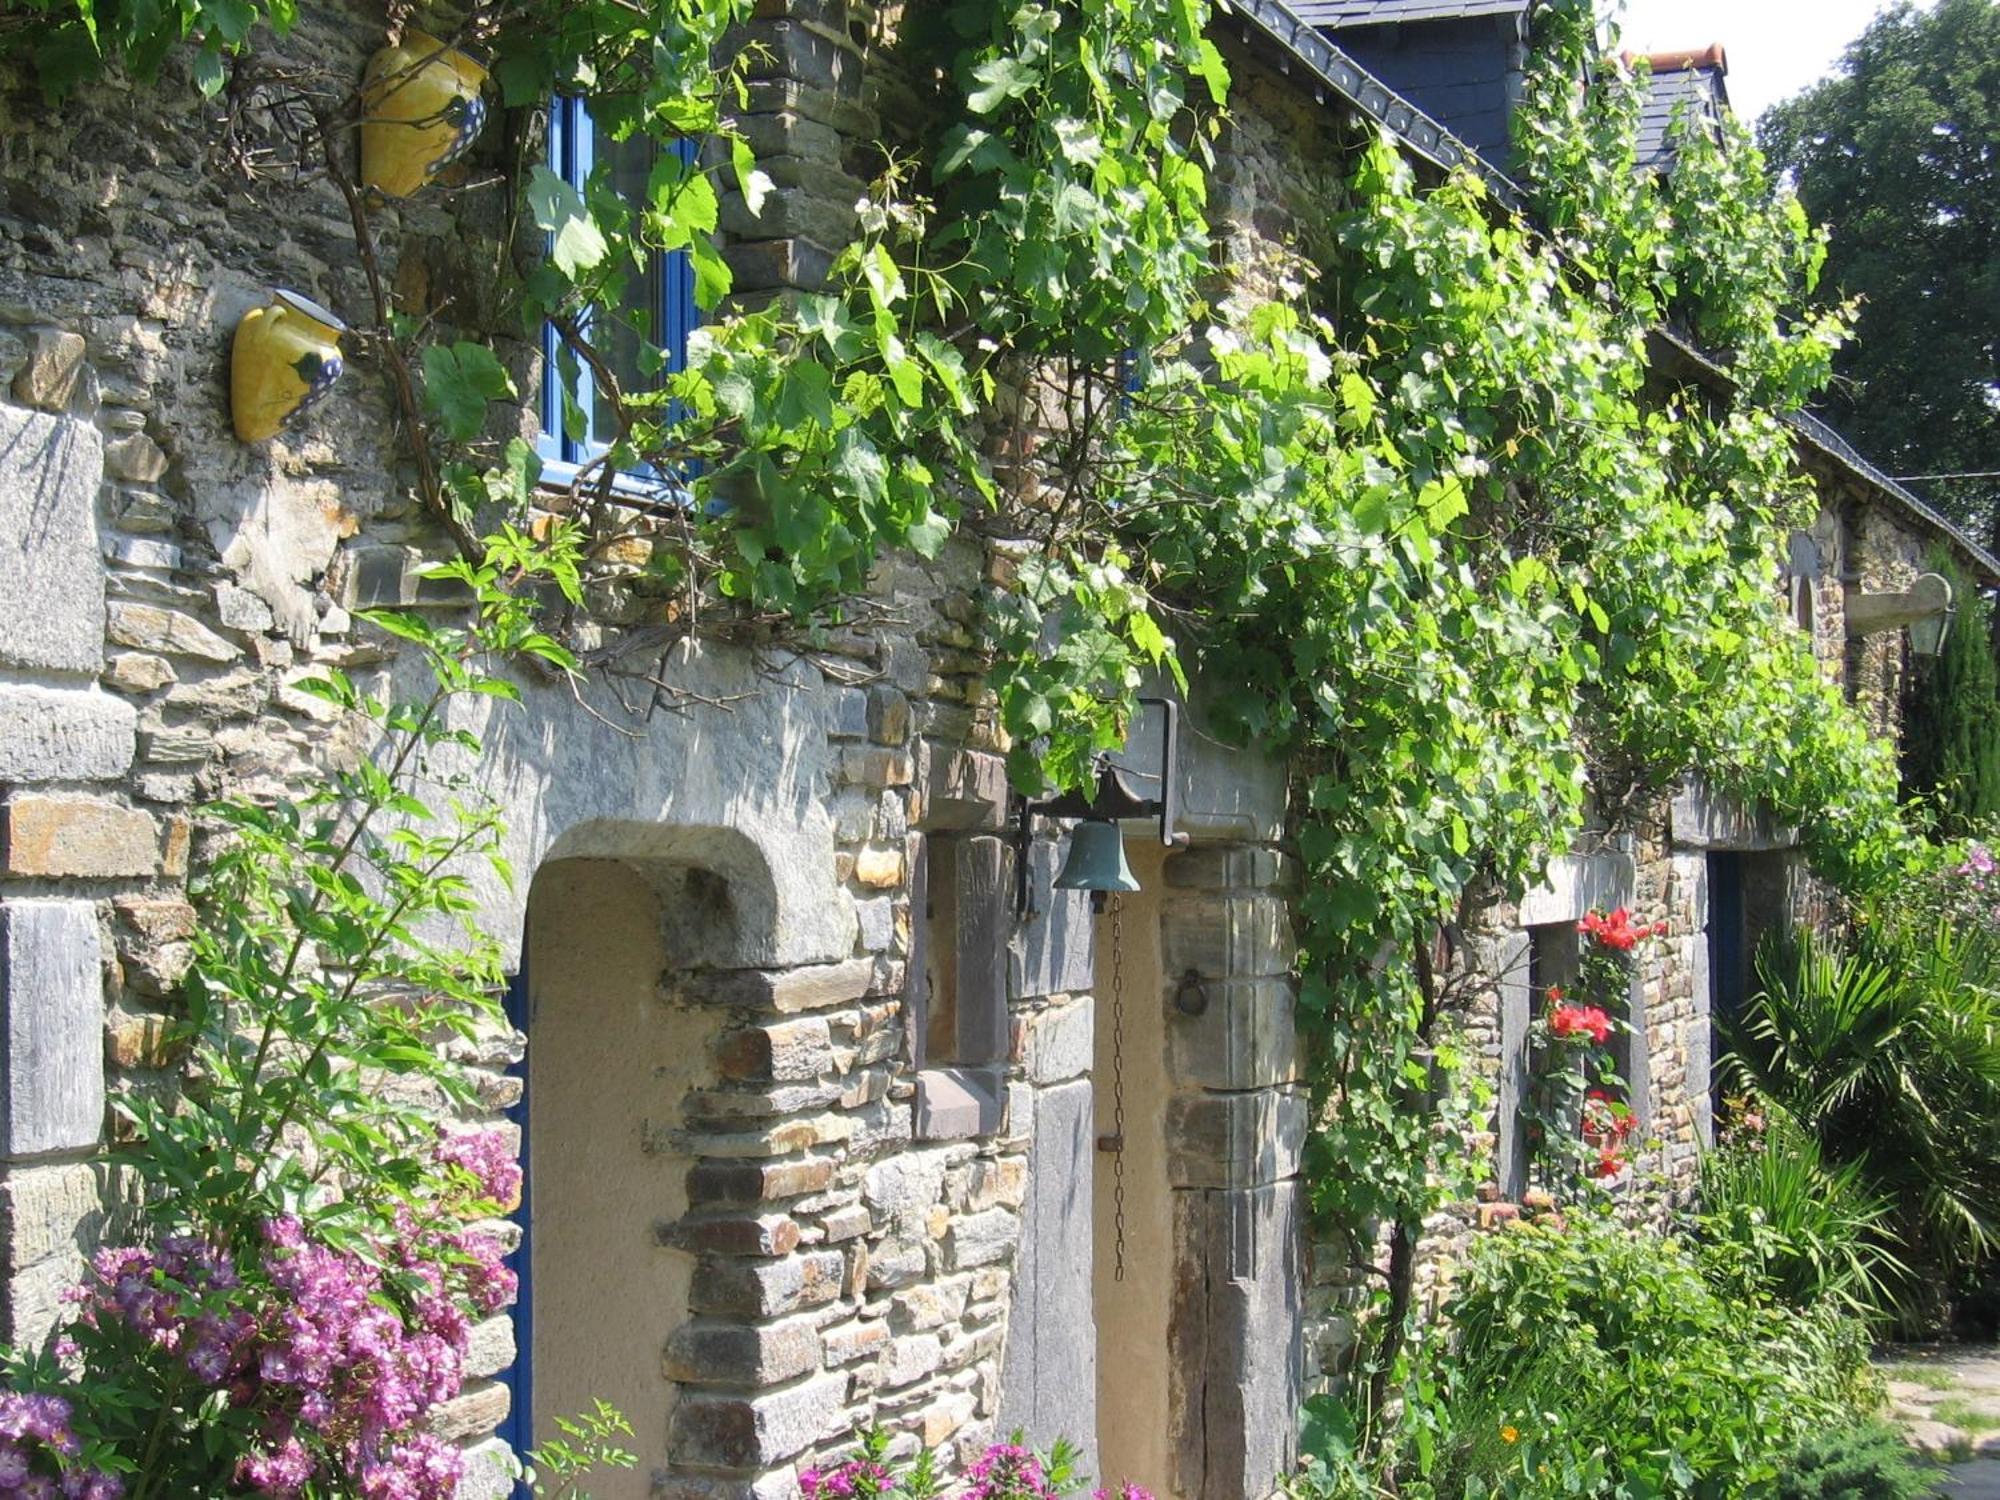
{"type": "Point", "coordinates": [814, 1107]}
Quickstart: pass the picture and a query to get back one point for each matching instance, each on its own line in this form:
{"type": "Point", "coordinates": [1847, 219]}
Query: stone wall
{"type": "Point", "coordinates": [825, 1251]}
{"type": "Point", "coordinates": [842, 1233]}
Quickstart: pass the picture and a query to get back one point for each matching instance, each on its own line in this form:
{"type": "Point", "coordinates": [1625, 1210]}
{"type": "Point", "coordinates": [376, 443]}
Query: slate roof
{"type": "Point", "coordinates": [1698, 93]}
{"type": "Point", "coordinates": [1829, 441]}
{"type": "Point", "coordinates": [1333, 14]}
{"type": "Point", "coordinates": [1322, 68]}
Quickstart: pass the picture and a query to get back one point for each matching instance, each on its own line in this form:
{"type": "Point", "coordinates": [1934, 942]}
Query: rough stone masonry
{"type": "Point", "coordinates": [820, 1212]}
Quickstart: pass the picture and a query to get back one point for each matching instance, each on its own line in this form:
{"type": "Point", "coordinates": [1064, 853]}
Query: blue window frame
{"type": "Point", "coordinates": [660, 304]}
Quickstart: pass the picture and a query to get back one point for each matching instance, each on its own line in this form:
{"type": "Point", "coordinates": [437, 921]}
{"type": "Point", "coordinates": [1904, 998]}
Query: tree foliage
{"type": "Point", "coordinates": [1899, 156]}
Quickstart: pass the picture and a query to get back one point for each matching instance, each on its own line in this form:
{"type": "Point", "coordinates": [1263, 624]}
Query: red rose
{"type": "Point", "coordinates": [1577, 1020]}
{"type": "Point", "coordinates": [1614, 931]}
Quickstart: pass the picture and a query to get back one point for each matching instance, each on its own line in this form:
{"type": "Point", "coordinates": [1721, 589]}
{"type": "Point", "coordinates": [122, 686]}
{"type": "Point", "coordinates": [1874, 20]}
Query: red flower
{"type": "Point", "coordinates": [1579, 1020]}
{"type": "Point", "coordinates": [1616, 930]}
{"type": "Point", "coordinates": [1609, 1163]}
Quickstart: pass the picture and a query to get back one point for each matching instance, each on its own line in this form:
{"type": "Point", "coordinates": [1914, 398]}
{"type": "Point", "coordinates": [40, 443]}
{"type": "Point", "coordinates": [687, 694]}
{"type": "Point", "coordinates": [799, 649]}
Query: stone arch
{"type": "Point", "coordinates": [740, 784]}
{"type": "Point", "coordinates": [718, 894]}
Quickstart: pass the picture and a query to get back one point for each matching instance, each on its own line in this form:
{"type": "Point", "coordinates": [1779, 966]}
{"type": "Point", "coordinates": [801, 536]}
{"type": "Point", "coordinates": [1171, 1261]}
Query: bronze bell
{"type": "Point", "coordinates": [1096, 859]}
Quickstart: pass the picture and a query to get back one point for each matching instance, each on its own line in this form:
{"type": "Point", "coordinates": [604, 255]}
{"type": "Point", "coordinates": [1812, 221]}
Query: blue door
{"type": "Point", "coordinates": [519, 1378]}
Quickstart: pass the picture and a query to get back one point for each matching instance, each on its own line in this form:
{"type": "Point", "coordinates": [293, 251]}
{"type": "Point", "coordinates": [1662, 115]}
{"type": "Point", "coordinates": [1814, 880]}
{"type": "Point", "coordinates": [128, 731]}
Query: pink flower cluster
{"type": "Point", "coordinates": [1978, 865]}
{"type": "Point", "coordinates": [856, 1479]}
{"type": "Point", "coordinates": [1007, 1471]}
{"type": "Point", "coordinates": [176, 1297]}
{"type": "Point", "coordinates": [339, 1367]}
{"type": "Point", "coordinates": [487, 1155]}
{"type": "Point", "coordinates": [37, 1446]}
{"type": "Point", "coordinates": [340, 1359]}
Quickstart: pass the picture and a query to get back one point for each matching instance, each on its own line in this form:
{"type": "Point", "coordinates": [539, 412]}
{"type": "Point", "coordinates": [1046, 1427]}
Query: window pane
{"type": "Point", "coordinates": [630, 163]}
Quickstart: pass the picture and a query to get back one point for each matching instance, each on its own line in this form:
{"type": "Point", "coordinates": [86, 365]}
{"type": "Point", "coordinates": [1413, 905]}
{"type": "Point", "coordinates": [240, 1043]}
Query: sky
{"type": "Point", "coordinates": [1776, 47]}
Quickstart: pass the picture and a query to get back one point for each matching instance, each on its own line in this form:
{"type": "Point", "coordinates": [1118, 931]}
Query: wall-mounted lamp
{"type": "Point", "coordinates": [1096, 860]}
{"type": "Point", "coordinates": [1928, 635]}
{"type": "Point", "coordinates": [1924, 609]}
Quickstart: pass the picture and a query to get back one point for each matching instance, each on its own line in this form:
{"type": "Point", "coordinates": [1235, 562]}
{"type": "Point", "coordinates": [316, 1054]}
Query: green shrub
{"type": "Point", "coordinates": [1597, 1359]}
{"type": "Point", "coordinates": [1777, 1221]}
{"type": "Point", "coordinates": [1888, 1056]}
{"type": "Point", "coordinates": [1868, 1461]}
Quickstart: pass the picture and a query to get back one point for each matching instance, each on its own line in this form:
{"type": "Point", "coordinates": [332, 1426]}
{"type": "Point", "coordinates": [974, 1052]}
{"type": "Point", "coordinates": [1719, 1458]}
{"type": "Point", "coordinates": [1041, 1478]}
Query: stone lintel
{"type": "Point", "coordinates": [1872, 614]}
{"type": "Point", "coordinates": [1579, 883]}
{"type": "Point", "coordinates": [1705, 819]}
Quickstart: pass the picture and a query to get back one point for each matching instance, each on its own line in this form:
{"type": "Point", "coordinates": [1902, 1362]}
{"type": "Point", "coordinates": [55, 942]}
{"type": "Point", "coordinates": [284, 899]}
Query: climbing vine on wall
{"type": "Point", "coordinates": [1425, 503]}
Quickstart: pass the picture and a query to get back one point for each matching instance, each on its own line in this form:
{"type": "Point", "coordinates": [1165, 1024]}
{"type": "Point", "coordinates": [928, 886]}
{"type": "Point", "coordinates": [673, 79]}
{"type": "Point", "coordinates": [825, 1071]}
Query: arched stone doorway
{"type": "Point", "coordinates": [613, 1052]}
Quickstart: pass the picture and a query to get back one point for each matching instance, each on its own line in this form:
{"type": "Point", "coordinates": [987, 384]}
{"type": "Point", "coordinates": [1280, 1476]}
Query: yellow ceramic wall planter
{"type": "Point", "coordinates": [285, 357]}
{"type": "Point", "coordinates": [421, 111]}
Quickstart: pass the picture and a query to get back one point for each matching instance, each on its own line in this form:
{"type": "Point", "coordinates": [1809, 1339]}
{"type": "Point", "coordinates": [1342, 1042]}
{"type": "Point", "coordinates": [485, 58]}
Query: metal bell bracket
{"type": "Point", "coordinates": [1114, 799]}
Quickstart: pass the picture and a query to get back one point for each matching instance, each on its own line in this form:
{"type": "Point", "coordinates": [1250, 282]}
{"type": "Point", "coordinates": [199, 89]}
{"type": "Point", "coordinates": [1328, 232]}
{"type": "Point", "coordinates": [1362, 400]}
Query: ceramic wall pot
{"type": "Point", "coordinates": [421, 111]}
{"type": "Point", "coordinates": [285, 357]}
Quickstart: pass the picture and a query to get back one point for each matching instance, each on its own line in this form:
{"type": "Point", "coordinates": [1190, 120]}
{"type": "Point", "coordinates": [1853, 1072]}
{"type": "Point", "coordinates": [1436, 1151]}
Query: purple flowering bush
{"type": "Point", "coordinates": [321, 1363]}
{"type": "Point", "coordinates": [1968, 885]}
{"type": "Point", "coordinates": [294, 1291]}
{"type": "Point", "coordinates": [1956, 882]}
{"type": "Point", "coordinates": [40, 1452]}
